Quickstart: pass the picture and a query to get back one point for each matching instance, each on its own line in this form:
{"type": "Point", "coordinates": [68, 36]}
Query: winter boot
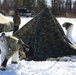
{"type": "Point", "coordinates": [4, 63]}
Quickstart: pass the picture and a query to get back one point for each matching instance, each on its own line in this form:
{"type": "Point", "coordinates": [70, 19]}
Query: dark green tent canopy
{"type": "Point", "coordinates": [46, 37]}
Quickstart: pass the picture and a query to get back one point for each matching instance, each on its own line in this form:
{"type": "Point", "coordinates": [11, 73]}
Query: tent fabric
{"type": "Point", "coordinates": [45, 36]}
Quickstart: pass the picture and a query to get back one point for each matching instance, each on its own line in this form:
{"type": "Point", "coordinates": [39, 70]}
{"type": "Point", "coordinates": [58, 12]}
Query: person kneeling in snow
{"type": "Point", "coordinates": [69, 29]}
{"type": "Point", "coordinates": [13, 45]}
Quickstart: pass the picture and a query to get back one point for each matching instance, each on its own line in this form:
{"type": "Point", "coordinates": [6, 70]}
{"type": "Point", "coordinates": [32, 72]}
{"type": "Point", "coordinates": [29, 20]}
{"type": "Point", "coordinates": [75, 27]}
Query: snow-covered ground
{"type": "Point", "coordinates": [66, 65]}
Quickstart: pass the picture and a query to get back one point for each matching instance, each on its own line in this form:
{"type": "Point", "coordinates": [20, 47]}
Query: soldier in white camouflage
{"type": "Point", "coordinates": [14, 44]}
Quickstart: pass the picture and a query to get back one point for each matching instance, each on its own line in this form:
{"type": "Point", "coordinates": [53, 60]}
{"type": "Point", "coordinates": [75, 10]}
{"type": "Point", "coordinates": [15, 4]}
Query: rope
{"type": "Point", "coordinates": [48, 68]}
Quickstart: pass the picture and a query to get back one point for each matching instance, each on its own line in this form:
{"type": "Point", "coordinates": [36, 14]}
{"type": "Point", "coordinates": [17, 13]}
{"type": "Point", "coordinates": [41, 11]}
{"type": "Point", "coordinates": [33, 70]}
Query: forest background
{"type": "Point", "coordinates": [66, 8]}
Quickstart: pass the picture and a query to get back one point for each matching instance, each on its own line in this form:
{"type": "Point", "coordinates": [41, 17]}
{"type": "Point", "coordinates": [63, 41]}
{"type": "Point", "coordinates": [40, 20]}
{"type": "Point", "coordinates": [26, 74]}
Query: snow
{"type": "Point", "coordinates": [65, 66]}
{"type": "Point", "coordinates": [4, 20]}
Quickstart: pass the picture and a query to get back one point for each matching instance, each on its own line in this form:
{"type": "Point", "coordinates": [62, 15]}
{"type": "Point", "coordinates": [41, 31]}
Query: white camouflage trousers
{"type": "Point", "coordinates": [4, 49]}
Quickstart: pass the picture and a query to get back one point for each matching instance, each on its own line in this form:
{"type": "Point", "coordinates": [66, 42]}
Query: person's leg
{"type": "Point", "coordinates": [4, 63]}
{"type": "Point", "coordinates": [7, 57]}
{"type": "Point", "coordinates": [15, 29]}
{"type": "Point", "coordinates": [4, 50]}
{"type": "Point", "coordinates": [15, 57]}
{"type": "Point", "coordinates": [3, 54]}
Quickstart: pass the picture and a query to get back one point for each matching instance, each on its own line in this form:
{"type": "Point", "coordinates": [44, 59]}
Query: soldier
{"type": "Point", "coordinates": [13, 46]}
{"type": "Point", "coordinates": [17, 21]}
{"type": "Point", "coordinates": [69, 29]}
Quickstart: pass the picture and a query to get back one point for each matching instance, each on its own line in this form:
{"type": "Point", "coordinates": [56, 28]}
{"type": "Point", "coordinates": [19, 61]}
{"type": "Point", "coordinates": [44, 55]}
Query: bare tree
{"type": "Point", "coordinates": [41, 4]}
{"type": "Point", "coordinates": [56, 6]}
{"type": "Point", "coordinates": [68, 6]}
{"type": "Point", "coordinates": [74, 7]}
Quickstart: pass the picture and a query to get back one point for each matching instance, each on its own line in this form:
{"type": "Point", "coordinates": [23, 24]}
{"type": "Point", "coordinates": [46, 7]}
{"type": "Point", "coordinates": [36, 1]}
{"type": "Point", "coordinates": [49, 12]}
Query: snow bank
{"type": "Point", "coordinates": [66, 65]}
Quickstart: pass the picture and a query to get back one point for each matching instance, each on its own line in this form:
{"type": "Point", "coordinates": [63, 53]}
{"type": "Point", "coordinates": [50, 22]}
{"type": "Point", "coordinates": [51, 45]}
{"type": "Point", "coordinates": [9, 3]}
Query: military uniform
{"type": "Point", "coordinates": [14, 45]}
{"type": "Point", "coordinates": [17, 21]}
{"type": "Point", "coordinates": [3, 47]}
{"type": "Point", "coordinates": [69, 29]}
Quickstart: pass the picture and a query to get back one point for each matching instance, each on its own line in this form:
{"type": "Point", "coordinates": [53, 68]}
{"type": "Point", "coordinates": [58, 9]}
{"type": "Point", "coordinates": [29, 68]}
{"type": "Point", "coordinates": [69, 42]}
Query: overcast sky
{"type": "Point", "coordinates": [48, 2]}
